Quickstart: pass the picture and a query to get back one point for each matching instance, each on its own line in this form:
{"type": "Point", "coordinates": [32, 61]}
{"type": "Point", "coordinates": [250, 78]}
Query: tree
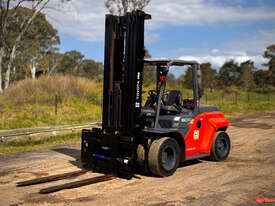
{"type": "Point", "coordinates": [261, 78]}
{"type": "Point", "coordinates": [121, 7]}
{"type": "Point", "coordinates": [270, 54]}
{"type": "Point", "coordinates": [188, 78]}
{"type": "Point", "coordinates": [246, 75]}
{"type": "Point", "coordinates": [5, 14]}
{"type": "Point", "coordinates": [38, 40]}
{"type": "Point", "coordinates": [149, 72]}
{"type": "Point", "coordinates": [71, 62]}
{"type": "Point", "coordinates": [91, 69]}
{"type": "Point", "coordinates": [229, 74]}
{"type": "Point", "coordinates": [50, 62]}
{"type": "Point", "coordinates": [180, 80]}
{"type": "Point", "coordinates": [171, 80]}
{"type": "Point", "coordinates": [208, 76]}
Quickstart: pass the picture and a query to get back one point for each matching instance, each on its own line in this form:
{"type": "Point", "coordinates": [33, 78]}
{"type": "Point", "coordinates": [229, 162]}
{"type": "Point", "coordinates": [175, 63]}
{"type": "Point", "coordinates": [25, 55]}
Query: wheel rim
{"type": "Point", "coordinates": [168, 158]}
{"type": "Point", "coordinates": [222, 146]}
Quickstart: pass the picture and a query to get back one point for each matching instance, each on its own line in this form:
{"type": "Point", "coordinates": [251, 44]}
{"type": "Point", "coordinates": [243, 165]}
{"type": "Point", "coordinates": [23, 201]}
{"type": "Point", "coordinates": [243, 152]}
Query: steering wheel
{"type": "Point", "coordinates": [153, 94]}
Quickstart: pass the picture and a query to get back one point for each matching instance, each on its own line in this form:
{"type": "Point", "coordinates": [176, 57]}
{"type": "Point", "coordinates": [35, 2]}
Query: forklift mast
{"type": "Point", "coordinates": [123, 68]}
{"type": "Point", "coordinates": [110, 150]}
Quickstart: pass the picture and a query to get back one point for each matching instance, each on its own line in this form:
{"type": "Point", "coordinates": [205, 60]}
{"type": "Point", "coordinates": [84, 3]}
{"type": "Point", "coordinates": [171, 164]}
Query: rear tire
{"type": "Point", "coordinates": [163, 157]}
{"type": "Point", "coordinates": [220, 148]}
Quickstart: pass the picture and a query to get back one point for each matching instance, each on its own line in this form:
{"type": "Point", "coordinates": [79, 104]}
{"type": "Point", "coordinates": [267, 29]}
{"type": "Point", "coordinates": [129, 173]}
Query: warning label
{"type": "Point", "coordinates": [196, 134]}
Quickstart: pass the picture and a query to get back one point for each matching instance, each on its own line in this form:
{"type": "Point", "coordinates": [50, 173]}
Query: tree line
{"type": "Point", "coordinates": [28, 49]}
{"type": "Point", "coordinates": [231, 74]}
{"type": "Point", "coordinates": [28, 46]}
{"type": "Point", "coordinates": [28, 42]}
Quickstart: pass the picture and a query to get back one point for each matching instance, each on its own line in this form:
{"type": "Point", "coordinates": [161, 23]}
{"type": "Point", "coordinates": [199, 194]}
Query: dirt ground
{"type": "Point", "coordinates": [249, 172]}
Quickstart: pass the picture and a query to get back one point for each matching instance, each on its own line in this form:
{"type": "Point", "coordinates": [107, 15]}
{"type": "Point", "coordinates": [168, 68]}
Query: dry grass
{"type": "Point", "coordinates": [46, 88]}
{"type": "Point", "coordinates": [32, 103]}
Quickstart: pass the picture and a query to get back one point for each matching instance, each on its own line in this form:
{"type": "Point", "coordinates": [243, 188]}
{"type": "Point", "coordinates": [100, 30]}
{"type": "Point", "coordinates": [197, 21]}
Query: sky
{"type": "Point", "coordinates": [212, 31]}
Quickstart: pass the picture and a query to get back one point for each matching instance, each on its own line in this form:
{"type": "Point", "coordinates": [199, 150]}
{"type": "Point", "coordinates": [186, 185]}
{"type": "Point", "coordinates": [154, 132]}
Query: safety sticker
{"type": "Point", "coordinates": [196, 134]}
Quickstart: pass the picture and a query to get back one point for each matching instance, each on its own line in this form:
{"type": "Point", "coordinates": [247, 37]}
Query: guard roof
{"type": "Point", "coordinates": [170, 62]}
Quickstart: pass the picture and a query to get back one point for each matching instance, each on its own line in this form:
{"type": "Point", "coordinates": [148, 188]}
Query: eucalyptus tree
{"type": "Point", "coordinates": [38, 40]}
{"type": "Point", "coordinates": [208, 76]}
{"type": "Point", "coordinates": [70, 62]}
{"type": "Point", "coordinates": [121, 7]}
{"type": "Point", "coordinates": [246, 75]}
{"type": "Point", "coordinates": [8, 50]}
{"type": "Point", "coordinates": [270, 55]}
{"type": "Point", "coordinates": [229, 74]}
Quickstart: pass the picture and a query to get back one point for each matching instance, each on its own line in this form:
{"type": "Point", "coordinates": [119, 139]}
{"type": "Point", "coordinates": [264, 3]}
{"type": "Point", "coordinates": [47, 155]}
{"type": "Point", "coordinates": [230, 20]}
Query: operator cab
{"type": "Point", "coordinates": [163, 106]}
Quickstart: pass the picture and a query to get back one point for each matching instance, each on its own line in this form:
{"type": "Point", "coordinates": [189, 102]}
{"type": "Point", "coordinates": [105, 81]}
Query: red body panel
{"type": "Point", "coordinates": [200, 136]}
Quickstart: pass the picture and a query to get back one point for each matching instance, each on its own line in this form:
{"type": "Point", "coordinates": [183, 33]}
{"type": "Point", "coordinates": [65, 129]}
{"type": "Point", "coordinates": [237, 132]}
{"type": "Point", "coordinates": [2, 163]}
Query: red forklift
{"type": "Point", "coordinates": [154, 137]}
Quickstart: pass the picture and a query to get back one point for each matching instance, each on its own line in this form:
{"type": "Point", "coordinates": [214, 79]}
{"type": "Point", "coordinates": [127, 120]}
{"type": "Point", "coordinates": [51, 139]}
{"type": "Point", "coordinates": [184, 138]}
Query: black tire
{"type": "Point", "coordinates": [163, 157]}
{"type": "Point", "coordinates": [220, 148]}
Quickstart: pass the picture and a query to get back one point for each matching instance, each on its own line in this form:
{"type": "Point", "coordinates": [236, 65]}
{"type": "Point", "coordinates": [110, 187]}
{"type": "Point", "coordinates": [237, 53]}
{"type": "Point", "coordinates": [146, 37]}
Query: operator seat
{"type": "Point", "coordinates": [172, 104]}
{"type": "Point", "coordinates": [174, 97]}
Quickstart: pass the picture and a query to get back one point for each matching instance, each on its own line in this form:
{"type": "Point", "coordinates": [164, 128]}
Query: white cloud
{"type": "Point", "coordinates": [215, 51]}
{"type": "Point", "coordinates": [219, 60]}
{"type": "Point", "coordinates": [253, 43]}
{"type": "Point", "coordinates": [198, 12]}
{"type": "Point", "coordinates": [248, 47]}
{"type": "Point", "coordinates": [84, 19]}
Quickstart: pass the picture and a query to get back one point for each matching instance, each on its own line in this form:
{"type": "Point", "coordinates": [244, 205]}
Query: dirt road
{"type": "Point", "coordinates": [249, 172]}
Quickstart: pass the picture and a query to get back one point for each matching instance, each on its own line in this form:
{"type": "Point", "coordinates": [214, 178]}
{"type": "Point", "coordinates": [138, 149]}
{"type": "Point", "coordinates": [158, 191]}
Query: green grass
{"type": "Point", "coordinates": [72, 111]}
{"type": "Point", "coordinates": [19, 146]}
{"type": "Point", "coordinates": [242, 103]}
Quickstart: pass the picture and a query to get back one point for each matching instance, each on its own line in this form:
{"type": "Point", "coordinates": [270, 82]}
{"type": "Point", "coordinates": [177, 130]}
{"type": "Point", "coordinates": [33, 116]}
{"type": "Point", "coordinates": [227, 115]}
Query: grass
{"type": "Point", "coordinates": [244, 102]}
{"type": "Point", "coordinates": [48, 101]}
{"type": "Point", "coordinates": [19, 146]}
{"type": "Point", "coordinates": [61, 100]}
{"type": "Point", "coordinates": [71, 111]}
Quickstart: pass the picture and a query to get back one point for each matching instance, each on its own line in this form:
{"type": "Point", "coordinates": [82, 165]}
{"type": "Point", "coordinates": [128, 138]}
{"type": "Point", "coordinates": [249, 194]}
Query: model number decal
{"type": "Point", "coordinates": [192, 148]}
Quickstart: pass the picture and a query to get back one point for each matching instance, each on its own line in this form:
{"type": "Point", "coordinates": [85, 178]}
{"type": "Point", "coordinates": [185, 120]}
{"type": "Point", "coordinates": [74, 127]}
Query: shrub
{"type": "Point", "coordinates": [45, 90]}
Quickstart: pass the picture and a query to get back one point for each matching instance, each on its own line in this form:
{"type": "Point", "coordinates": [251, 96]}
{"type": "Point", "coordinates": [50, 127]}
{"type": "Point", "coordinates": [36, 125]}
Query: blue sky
{"type": "Point", "coordinates": [204, 30]}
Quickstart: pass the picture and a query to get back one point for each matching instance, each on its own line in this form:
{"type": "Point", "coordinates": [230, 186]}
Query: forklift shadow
{"type": "Point", "coordinates": [181, 165]}
{"type": "Point", "coordinates": [74, 153]}
{"type": "Point", "coordinates": [189, 163]}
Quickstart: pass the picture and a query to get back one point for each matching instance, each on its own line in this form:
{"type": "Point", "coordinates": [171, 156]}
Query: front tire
{"type": "Point", "coordinates": [220, 148]}
{"type": "Point", "coordinates": [163, 157]}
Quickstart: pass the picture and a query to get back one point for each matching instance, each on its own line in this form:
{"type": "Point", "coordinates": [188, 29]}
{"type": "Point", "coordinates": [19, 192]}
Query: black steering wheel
{"type": "Point", "coordinates": [153, 98]}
